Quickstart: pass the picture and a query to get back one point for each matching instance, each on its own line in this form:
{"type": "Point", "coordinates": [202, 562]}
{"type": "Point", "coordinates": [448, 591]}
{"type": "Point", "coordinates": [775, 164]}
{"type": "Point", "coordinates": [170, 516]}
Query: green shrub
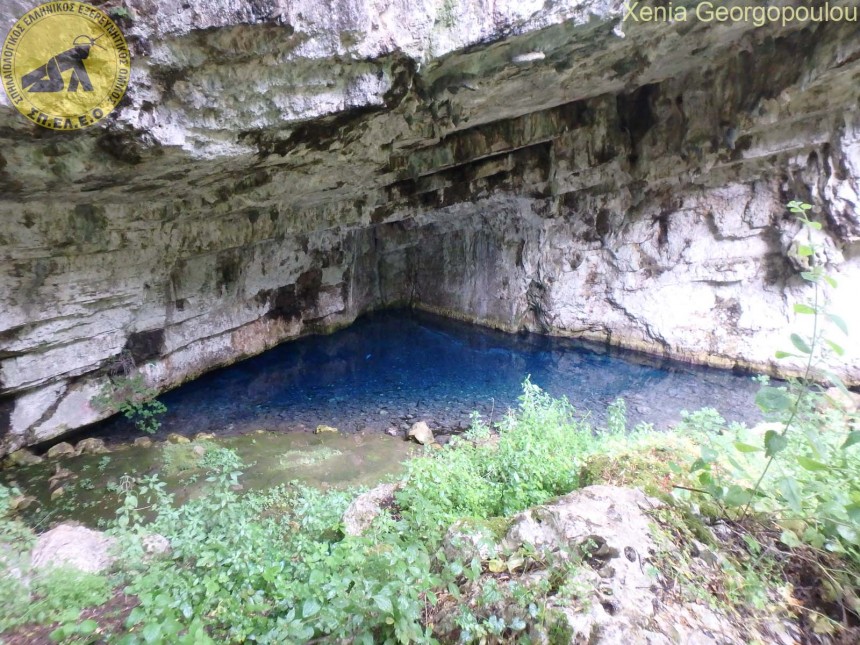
{"type": "Point", "coordinates": [534, 460]}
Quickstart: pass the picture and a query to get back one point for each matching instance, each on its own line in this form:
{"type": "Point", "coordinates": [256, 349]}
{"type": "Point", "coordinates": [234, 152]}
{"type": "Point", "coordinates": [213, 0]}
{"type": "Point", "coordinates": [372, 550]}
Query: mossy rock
{"type": "Point", "coordinates": [650, 468]}
{"type": "Point", "coordinates": [497, 527]}
{"type": "Point", "coordinates": [181, 457]}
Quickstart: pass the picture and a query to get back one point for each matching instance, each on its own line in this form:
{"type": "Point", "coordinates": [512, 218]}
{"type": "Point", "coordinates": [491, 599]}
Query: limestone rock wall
{"type": "Point", "coordinates": [277, 168]}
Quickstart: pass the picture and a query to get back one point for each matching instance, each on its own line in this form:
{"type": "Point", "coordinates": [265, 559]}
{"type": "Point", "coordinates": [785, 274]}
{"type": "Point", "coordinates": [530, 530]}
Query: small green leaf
{"type": "Point", "coordinates": [782, 354]}
{"type": "Point", "coordinates": [804, 251]}
{"type": "Point", "coordinates": [384, 603]}
{"type": "Point", "coordinates": [805, 206]}
{"type": "Point", "coordinates": [830, 281]}
{"type": "Point", "coordinates": [853, 438]}
{"type": "Point", "coordinates": [853, 511]}
{"type": "Point", "coordinates": [801, 308]}
{"type": "Point", "coordinates": [151, 632]}
{"type": "Point", "coordinates": [774, 443]}
{"type": "Point", "coordinates": [809, 276]}
{"type": "Point", "coordinates": [709, 455]}
{"type": "Point", "coordinates": [310, 607]}
{"type": "Point", "coordinates": [848, 533]}
{"type": "Point", "coordinates": [811, 464]}
{"type": "Point", "coordinates": [788, 488]}
{"type": "Point", "coordinates": [837, 349]}
{"type": "Point", "coordinates": [800, 344]}
{"type": "Point", "coordinates": [789, 539]}
{"type": "Point", "coordinates": [839, 322]}
{"type": "Point", "coordinates": [737, 496]}
{"type": "Point", "coordinates": [745, 447]}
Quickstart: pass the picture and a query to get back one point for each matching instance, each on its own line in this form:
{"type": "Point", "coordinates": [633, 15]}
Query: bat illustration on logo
{"type": "Point", "coordinates": [49, 77]}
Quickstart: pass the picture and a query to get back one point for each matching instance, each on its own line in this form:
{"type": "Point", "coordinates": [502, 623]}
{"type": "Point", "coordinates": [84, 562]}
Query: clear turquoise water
{"type": "Point", "coordinates": [391, 368]}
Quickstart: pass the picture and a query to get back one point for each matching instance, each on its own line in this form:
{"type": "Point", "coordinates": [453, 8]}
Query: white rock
{"type": "Point", "coordinates": [360, 514]}
{"type": "Point", "coordinates": [75, 546]}
{"type": "Point", "coordinates": [155, 545]}
{"type": "Point", "coordinates": [421, 432]}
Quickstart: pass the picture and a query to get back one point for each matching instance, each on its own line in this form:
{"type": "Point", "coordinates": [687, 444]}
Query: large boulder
{"type": "Point", "coordinates": [91, 446]}
{"type": "Point", "coordinates": [608, 528]}
{"type": "Point", "coordinates": [23, 457]}
{"type": "Point", "coordinates": [600, 542]}
{"type": "Point", "coordinates": [848, 402]}
{"type": "Point", "coordinates": [62, 449]}
{"type": "Point", "coordinates": [75, 546]}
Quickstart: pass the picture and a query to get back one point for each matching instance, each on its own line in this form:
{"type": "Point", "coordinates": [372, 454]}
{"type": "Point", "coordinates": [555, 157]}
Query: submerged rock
{"type": "Point", "coordinates": [322, 429]}
{"type": "Point", "coordinates": [91, 446]}
{"type": "Point", "coordinates": [62, 449]}
{"type": "Point", "coordinates": [22, 502]}
{"type": "Point", "coordinates": [421, 432]}
{"type": "Point", "coordinates": [60, 475]}
{"type": "Point", "coordinates": [23, 457]}
{"type": "Point", "coordinates": [71, 545]}
{"type": "Point", "coordinates": [360, 514]}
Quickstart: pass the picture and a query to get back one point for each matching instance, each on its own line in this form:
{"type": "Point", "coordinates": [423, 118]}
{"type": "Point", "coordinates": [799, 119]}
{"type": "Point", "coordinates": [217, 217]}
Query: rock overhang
{"type": "Point", "coordinates": [270, 173]}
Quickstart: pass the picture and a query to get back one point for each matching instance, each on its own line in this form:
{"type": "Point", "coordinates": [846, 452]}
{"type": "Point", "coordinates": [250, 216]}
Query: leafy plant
{"type": "Point", "coordinates": [616, 416]}
{"type": "Point", "coordinates": [535, 459]}
{"type": "Point", "coordinates": [135, 399]}
{"type": "Point", "coordinates": [804, 470]}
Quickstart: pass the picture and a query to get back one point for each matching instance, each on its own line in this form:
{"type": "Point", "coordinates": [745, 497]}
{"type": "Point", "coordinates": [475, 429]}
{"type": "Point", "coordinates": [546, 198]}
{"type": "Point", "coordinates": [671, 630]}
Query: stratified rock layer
{"type": "Point", "coordinates": [280, 167]}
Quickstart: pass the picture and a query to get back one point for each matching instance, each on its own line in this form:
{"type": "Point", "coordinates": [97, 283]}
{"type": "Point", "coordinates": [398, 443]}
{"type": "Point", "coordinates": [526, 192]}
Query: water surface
{"type": "Point", "coordinates": [391, 368]}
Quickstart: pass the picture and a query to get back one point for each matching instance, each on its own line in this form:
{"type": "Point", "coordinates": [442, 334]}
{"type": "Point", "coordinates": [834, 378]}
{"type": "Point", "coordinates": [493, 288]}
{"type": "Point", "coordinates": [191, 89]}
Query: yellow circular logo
{"type": "Point", "coordinates": [65, 65]}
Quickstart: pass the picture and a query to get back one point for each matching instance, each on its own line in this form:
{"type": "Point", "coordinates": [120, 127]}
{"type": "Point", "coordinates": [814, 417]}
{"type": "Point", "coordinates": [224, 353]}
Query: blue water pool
{"type": "Point", "coordinates": [391, 368]}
